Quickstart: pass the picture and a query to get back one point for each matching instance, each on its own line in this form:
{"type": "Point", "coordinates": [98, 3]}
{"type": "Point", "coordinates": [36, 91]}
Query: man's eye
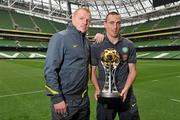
{"type": "Point", "coordinates": [111, 23]}
{"type": "Point", "coordinates": [118, 22]}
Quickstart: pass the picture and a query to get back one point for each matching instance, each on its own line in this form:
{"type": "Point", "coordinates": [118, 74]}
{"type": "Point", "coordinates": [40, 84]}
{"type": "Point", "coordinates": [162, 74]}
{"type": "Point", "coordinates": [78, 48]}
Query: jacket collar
{"type": "Point", "coordinates": [73, 29]}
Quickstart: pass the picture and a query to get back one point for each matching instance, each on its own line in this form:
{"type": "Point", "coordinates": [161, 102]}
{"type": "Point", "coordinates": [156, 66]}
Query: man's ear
{"type": "Point", "coordinates": [72, 17]}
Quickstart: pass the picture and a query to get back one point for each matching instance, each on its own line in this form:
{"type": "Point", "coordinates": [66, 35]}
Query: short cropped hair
{"type": "Point", "coordinates": [111, 13]}
{"type": "Point", "coordinates": [83, 8]}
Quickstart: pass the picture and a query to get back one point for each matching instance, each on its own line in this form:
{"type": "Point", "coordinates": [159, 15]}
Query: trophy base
{"type": "Point", "coordinates": [109, 100]}
{"type": "Point", "coordinates": [110, 95]}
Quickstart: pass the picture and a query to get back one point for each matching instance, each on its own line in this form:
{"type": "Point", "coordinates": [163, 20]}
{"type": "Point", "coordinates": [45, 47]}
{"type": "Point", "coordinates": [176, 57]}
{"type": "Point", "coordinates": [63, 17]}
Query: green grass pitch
{"type": "Point", "coordinates": [157, 88]}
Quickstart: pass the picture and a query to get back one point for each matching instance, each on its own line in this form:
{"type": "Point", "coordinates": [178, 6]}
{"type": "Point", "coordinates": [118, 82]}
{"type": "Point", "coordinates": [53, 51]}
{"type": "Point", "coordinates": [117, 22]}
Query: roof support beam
{"type": "Point", "coordinates": [97, 9]}
{"type": "Point", "coordinates": [11, 4]}
{"type": "Point", "coordinates": [106, 7]}
{"type": "Point", "coordinates": [126, 9]}
{"type": "Point", "coordinates": [115, 6]}
{"type": "Point", "coordinates": [42, 4]}
{"type": "Point", "coordinates": [133, 7]}
{"type": "Point", "coordinates": [142, 6]}
{"type": "Point", "coordinates": [69, 8]}
{"type": "Point", "coordinates": [50, 6]}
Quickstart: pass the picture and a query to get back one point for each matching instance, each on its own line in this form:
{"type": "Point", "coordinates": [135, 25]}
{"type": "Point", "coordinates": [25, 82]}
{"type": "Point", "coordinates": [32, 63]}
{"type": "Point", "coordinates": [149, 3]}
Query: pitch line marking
{"type": "Point", "coordinates": [155, 80]}
{"type": "Point", "coordinates": [175, 100]}
{"type": "Point", "coordinates": [23, 93]}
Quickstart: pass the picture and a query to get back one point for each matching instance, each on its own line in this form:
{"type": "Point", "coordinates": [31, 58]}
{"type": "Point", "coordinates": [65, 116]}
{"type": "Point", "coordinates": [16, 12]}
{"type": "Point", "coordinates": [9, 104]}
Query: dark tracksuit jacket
{"type": "Point", "coordinates": [66, 65]}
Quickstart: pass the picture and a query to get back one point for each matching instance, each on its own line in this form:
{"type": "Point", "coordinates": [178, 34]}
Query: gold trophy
{"type": "Point", "coordinates": [110, 59]}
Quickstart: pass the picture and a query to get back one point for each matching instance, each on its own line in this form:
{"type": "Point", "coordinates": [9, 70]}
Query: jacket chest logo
{"type": "Point", "coordinates": [74, 46]}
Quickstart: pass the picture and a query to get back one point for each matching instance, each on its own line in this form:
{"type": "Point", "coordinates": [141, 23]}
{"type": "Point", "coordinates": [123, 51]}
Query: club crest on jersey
{"type": "Point", "coordinates": [125, 49]}
{"type": "Point", "coordinates": [124, 53]}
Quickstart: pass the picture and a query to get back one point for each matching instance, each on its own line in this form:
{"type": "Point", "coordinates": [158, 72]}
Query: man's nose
{"type": "Point", "coordinates": [115, 26]}
{"type": "Point", "coordinates": [85, 21]}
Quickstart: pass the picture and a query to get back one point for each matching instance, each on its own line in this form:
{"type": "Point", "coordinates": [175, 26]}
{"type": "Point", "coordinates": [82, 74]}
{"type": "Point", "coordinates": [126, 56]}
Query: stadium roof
{"type": "Point", "coordinates": [132, 11]}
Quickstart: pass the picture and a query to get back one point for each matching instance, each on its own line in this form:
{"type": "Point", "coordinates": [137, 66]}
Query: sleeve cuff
{"type": "Point", "coordinates": [57, 99]}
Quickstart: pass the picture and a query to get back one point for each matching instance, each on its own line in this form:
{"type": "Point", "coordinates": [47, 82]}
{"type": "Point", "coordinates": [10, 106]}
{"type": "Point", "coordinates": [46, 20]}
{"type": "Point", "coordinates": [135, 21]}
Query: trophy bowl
{"type": "Point", "coordinates": [110, 59]}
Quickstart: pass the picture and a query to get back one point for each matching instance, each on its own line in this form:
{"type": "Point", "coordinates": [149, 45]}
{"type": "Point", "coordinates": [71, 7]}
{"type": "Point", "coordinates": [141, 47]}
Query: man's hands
{"type": "Point", "coordinates": [99, 37]}
{"type": "Point", "coordinates": [96, 94]}
{"type": "Point", "coordinates": [123, 94]}
{"type": "Point", "coordinates": [130, 80]}
{"type": "Point", "coordinates": [61, 108]}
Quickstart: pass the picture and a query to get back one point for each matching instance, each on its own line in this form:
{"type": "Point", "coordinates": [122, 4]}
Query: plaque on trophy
{"type": "Point", "coordinates": [110, 59]}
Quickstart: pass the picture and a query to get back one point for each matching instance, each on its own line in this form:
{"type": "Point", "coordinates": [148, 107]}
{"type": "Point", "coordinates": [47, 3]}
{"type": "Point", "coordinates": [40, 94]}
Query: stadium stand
{"type": "Point", "coordinates": [24, 33]}
{"type": "Point", "coordinates": [5, 19]}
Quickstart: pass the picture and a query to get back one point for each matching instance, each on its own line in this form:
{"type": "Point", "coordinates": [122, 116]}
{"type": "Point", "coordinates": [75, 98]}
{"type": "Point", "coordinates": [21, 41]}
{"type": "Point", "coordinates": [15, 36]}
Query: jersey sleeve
{"type": "Point", "coordinates": [94, 58]}
{"type": "Point", "coordinates": [132, 53]}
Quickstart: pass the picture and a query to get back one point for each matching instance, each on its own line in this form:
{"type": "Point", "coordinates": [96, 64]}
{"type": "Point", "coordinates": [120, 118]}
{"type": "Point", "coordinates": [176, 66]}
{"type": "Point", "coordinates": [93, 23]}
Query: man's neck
{"type": "Point", "coordinates": [113, 40]}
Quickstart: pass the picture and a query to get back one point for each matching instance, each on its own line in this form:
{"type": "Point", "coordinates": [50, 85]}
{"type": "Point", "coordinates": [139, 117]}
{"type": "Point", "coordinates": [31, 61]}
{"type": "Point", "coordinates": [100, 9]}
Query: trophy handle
{"type": "Point", "coordinates": [114, 81]}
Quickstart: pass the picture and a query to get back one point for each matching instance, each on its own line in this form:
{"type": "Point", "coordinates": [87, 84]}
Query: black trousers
{"type": "Point", "coordinates": [128, 110]}
{"type": "Point", "coordinates": [78, 109]}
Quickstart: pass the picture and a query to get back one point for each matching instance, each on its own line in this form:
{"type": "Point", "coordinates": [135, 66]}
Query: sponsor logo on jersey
{"type": "Point", "coordinates": [125, 57]}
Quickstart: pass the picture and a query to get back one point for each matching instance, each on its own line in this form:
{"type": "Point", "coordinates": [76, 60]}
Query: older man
{"type": "Point", "coordinates": [66, 69]}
